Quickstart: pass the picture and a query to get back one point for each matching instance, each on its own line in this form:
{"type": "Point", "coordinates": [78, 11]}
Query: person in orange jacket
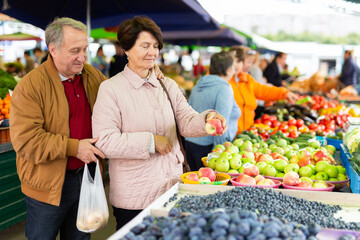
{"type": "Point", "coordinates": [247, 90]}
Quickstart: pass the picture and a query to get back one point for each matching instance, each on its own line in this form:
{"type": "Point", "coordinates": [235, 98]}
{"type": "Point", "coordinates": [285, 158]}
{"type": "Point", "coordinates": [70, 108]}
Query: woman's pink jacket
{"type": "Point", "coordinates": [126, 111]}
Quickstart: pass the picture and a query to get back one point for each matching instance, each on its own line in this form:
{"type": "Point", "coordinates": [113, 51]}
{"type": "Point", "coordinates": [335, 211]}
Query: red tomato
{"type": "Point", "coordinates": [283, 128]}
{"type": "Point", "coordinates": [267, 122]}
{"type": "Point", "coordinates": [286, 134]}
{"type": "Point", "coordinates": [293, 134]}
{"type": "Point", "coordinates": [292, 122]}
{"type": "Point", "coordinates": [275, 123]}
{"type": "Point", "coordinates": [265, 117]}
{"type": "Point", "coordinates": [299, 123]}
{"type": "Point", "coordinates": [257, 121]}
{"type": "Point", "coordinates": [253, 129]}
{"type": "Point", "coordinates": [321, 127]}
{"type": "Point", "coordinates": [273, 118]}
{"type": "Point", "coordinates": [265, 135]}
{"type": "Point", "coordinates": [313, 126]}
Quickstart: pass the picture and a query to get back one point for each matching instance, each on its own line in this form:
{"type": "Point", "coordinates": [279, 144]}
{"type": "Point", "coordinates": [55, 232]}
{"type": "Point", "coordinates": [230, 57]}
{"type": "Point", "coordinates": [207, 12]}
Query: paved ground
{"type": "Point", "coordinates": [17, 231]}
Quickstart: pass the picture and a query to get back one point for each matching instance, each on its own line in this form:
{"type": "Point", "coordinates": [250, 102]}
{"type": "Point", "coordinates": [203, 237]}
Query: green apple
{"type": "Point", "coordinates": [266, 151]}
{"type": "Point", "coordinates": [321, 165]}
{"type": "Point", "coordinates": [269, 161]}
{"type": "Point", "coordinates": [241, 169]}
{"type": "Point", "coordinates": [295, 147]}
{"type": "Point", "coordinates": [279, 149]}
{"type": "Point", "coordinates": [235, 162]}
{"type": "Point", "coordinates": [341, 177]}
{"type": "Point", "coordinates": [305, 171]}
{"type": "Point", "coordinates": [246, 146]}
{"type": "Point", "coordinates": [341, 169]}
{"type": "Point", "coordinates": [261, 166]}
{"type": "Point", "coordinates": [314, 144]}
{"type": "Point", "coordinates": [313, 177]}
{"type": "Point", "coordinates": [307, 179]}
{"type": "Point", "coordinates": [291, 167]}
{"type": "Point", "coordinates": [312, 166]}
{"type": "Point", "coordinates": [232, 149]}
{"type": "Point", "coordinates": [220, 146]}
{"type": "Point", "coordinates": [222, 165]}
{"type": "Point", "coordinates": [269, 171]}
{"type": "Point", "coordinates": [280, 164]}
{"type": "Point", "coordinates": [225, 155]}
{"type": "Point", "coordinates": [272, 147]}
{"type": "Point", "coordinates": [212, 163]}
{"type": "Point", "coordinates": [322, 176]}
{"type": "Point", "coordinates": [289, 154]}
{"type": "Point", "coordinates": [232, 171]}
{"type": "Point", "coordinates": [320, 184]}
{"type": "Point", "coordinates": [333, 179]}
{"type": "Point", "coordinates": [280, 174]}
{"type": "Point", "coordinates": [264, 145]}
{"type": "Point", "coordinates": [238, 142]}
{"type": "Point", "coordinates": [310, 149]}
{"type": "Point", "coordinates": [255, 149]}
{"type": "Point", "coordinates": [330, 149]}
{"type": "Point", "coordinates": [281, 143]}
{"type": "Point", "coordinates": [332, 171]}
{"type": "Point", "coordinates": [256, 145]}
{"type": "Point", "coordinates": [246, 160]}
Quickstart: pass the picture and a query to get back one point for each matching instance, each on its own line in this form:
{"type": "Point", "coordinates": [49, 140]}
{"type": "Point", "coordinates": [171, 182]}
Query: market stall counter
{"type": "Point", "coordinates": [12, 205]}
{"type": "Point", "coordinates": [350, 204]}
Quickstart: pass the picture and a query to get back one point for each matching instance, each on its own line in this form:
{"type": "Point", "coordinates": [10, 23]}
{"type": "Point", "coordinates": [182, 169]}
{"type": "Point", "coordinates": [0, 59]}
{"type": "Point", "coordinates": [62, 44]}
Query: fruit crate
{"type": "Point", "coordinates": [346, 200]}
{"type": "Point", "coordinates": [344, 157]}
{"type": "Point", "coordinates": [354, 180]}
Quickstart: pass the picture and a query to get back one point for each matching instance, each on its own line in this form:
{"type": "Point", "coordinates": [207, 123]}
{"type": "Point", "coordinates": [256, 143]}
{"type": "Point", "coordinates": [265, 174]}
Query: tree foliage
{"type": "Point", "coordinates": [350, 39]}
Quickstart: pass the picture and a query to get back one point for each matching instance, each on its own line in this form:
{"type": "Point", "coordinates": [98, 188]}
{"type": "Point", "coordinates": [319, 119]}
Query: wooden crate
{"type": "Point", "coordinates": [350, 202]}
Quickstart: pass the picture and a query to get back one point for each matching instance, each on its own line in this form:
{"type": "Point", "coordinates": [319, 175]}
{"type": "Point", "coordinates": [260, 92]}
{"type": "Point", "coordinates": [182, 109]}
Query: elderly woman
{"type": "Point", "coordinates": [213, 91]}
{"type": "Point", "coordinates": [136, 123]}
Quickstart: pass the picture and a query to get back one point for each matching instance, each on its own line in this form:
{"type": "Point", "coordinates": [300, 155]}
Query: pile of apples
{"type": "Point", "coordinates": [292, 179]}
{"type": "Point", "coordinates": [204, 175]}
{"type": "Point", "coordinates": [257, 180]}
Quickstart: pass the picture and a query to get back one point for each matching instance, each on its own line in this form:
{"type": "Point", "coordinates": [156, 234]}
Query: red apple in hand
{"type": "Point", "coordinates": [214, 127]}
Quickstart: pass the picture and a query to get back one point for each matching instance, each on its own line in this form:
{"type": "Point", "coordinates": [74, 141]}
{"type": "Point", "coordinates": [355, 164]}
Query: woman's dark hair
{"type": "Point", "coordinates": [129, 30]}
{"type": "Point", "coordinates": [239, 52]}
{"type": "Point", "coordinates": [220, 62]}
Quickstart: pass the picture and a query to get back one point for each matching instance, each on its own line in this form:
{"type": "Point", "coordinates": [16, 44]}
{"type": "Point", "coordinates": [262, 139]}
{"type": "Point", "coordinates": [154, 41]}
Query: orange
{"type": "Point", "coordinates": [7, 106]}
{"type": "Point", "coordinates": [6, 101]}
{"type": "Point", "coordinates": [1, 102]}
{"type": "Point", "coordinates": [4, 111]}
{"type": "Point", "coordinates": [7, 116]}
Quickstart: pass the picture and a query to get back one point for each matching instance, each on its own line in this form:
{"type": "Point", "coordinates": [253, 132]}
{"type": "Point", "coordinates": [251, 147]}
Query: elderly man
{"type": "Point", "coordinates": [51, 131]}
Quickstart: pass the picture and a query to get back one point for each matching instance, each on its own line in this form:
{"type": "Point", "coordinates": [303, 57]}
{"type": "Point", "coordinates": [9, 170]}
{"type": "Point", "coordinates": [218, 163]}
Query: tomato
{"type": "Point", "coordinates": [275, 123]}
{"type": "Point", "coordinates": [265, 117]}
{"type": "Point", "coordinates": [286, 134]}
{"type": "Point", "coordinates": [292, 122]}
{"type": "Point", "coordinates": [273, 118]}
{"type": "Point", "coordinates": [264, 135]}
{"type": "Point", "coordinates": [257, 121]}
{"type": "Point", "coordinates": [267, 122]}
{"type": "Point", "coordinates": [253, 129]}
{"type": "Point", "coordinates": [293, 134]}
{"type": "Point", "coordinates": [313, 126]}
{"type": "Point", "coordinates": [321, 127]}
{"type": "Point", "coordinates": [283, 128]}
{"type": "Point", "coordinates": [299, 123]}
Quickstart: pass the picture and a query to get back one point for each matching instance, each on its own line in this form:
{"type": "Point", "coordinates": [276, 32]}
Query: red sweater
{"type": "Point", "coordinates": [80, 115]}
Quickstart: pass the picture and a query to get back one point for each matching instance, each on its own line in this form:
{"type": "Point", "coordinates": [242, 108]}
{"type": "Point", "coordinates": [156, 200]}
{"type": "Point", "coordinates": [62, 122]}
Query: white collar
{"type": "Point", "coordinates": [62, 78]}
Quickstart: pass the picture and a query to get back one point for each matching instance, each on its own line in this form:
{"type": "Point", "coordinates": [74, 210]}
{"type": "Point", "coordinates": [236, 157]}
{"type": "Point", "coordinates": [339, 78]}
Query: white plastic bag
{"type": "Point", "coordinates": [93, 212]}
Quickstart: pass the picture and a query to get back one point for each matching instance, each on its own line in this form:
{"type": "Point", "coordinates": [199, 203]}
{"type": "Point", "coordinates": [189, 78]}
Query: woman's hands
{"type": "Point", "coordinates": [162, 144]}
{"type": "Point", "coordinates": [215, 115]}
{"type": "Point", "coordinates": [291, 97]}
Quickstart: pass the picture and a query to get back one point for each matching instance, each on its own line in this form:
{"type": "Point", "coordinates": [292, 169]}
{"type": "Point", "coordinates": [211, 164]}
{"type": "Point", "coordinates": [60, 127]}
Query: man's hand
{"type": "Point", "coordinates": [162, 144]}
{"type": "Point", "coordinates": [158, 73]}
{"type": "Point", "coordinates": [86, 151]}
{"type": "Point", "coordinates": [216, 115]}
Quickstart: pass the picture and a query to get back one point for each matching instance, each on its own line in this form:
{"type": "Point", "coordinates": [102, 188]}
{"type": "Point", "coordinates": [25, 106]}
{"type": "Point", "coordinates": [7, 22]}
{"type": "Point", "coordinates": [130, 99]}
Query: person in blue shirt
{"type": "Point", "coordinates": [348, 72]}
{"type": "Point", "coordinates": [213, 92]}
{"type": "Point", "coordinates": [100, 61]}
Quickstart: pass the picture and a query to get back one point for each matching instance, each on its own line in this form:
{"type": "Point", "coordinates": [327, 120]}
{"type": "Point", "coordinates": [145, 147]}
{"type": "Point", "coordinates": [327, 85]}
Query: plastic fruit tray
{"type": "Point", "coordinates": [235, 183]}
{"type": "Point", "coordinates": [221, 179]}
{"type": "Point", "coordinates": [274, 178]}
{"type": "Point", "coordinates": [328, 189]}
{"type": "Point", "coordinates": [204, 161]}
{"type": "Point", "coordinates": [338, 184]}
{"type": "Point", "coordinates": [336, 143]}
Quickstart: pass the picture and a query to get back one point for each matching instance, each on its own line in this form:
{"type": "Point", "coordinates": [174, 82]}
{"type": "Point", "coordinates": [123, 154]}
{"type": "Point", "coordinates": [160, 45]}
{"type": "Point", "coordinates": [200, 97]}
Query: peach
{"type": "Point", "coordinates": [248, 181]}
{"type": "Point", "coordinates": [251, 170]}
{"type": "Point", "coordinates": [304, 184]}
{"type": "Point", "coordinates": [192, 177]}
{"type": "Point", "coordinates": [207, 172]}
{"type": "Point", "coordinates": [291, 178]}
{"type": "Point", "coordinates": [259, 178]}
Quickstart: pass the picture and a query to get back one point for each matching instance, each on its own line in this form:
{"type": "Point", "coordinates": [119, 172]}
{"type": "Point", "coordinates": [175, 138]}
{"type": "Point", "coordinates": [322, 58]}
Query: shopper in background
{"type": "Point", "coordinates": [29, 62]}
{"type": "Point", "coordinates": [273, 71]}
{"type": "Point", "coordinates": [213, 92]}
{"type": "Point", "coordinates": [100, 61]}
{"type": "Point", "coordinates": [135, 124]}
{"type": "Point", "coordinates": [198, 69]}
{"type": "Point", "coordinates": [263, 64]}
{"type": "Point", "coordinates": [50, 128]}
{"type": "Point", "coordinates": [348, 72]}
{"type": "Point", "coordinates": [247, 90]}
{"type": "Point", "coordinates": [38, 53]}
{"type": "Point", "coordinates": [118, 61]}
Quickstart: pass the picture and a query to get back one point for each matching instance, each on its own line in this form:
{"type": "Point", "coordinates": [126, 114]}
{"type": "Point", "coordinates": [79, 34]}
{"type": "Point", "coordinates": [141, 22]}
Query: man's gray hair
{"type": "Point", "coordinates": [54, 31]}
